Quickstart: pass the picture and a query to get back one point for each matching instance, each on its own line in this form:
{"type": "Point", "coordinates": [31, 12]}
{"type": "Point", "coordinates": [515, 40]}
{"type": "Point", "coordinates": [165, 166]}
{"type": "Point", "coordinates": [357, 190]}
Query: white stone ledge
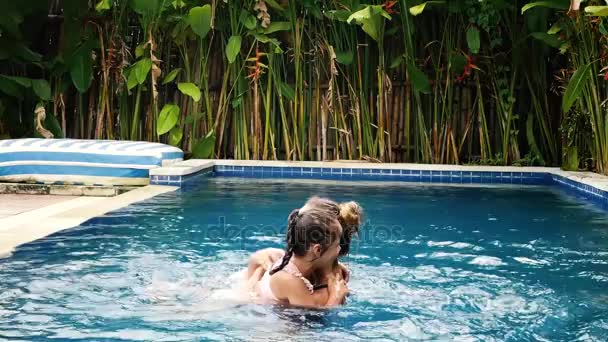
{"type": "Point", "coordinates": [183, 168]}
{"type": "Point", "coordinates": [36, 224]}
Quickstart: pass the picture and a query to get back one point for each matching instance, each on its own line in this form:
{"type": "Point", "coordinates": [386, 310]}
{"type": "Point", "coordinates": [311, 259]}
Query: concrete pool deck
{"type": "Point", "coordinates": [25, 218]}
{"type": "Point", "coordinates": [13, 204]}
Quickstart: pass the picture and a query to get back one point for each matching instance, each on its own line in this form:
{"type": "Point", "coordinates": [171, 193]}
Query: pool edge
{"type": "Point", "coordinates": [39, 223]}
{"type": "Point", "coordinates": [591, 185]}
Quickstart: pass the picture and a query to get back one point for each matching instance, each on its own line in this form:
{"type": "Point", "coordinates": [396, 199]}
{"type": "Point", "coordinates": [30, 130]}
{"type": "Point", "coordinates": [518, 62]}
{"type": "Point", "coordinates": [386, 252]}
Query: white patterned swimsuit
{"type": "Point", "coordinates": [265, 292]}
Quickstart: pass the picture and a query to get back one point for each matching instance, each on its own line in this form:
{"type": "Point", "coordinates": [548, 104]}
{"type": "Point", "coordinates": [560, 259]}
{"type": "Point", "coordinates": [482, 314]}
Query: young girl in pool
{"type": "Point", "coordinates": [324, 270]}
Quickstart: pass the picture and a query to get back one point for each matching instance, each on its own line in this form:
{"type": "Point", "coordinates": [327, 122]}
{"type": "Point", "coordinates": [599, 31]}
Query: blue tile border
{"type": "Point", "coordinates": [522, 178]}
{"type": "Point", "coordinates": [415, 176]}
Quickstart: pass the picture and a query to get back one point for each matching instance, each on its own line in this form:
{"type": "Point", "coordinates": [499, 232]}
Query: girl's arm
{"type": "Point", "coordinates": [325, 277]}
{"type": "Point", "coordinates": [262, 260]}
{"type": "Point", "coordinates": [293, 290]}
{"type": "Point", "coordinates": [344, 271]}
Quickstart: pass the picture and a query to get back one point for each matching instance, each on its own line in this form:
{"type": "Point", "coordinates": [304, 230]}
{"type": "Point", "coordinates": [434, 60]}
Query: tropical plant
{"type": "Point", "coordinates": [459, 81]}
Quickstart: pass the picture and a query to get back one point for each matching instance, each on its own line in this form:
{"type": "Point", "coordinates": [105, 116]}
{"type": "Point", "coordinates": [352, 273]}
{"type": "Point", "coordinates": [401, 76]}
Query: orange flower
{"type": "Point", "coordinates": [388, 7]}
{"type": "Point", "coordinates": [257, 67]}
{"type": "Point", "coordinates": [468, 68]}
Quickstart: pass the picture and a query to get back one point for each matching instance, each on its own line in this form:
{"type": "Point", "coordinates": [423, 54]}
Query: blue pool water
{"type": "Point", "coordinates": [433, 262]}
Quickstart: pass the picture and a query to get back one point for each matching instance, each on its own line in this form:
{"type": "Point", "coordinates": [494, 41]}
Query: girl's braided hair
{"type": "Point", "coordinates": [309, 225]}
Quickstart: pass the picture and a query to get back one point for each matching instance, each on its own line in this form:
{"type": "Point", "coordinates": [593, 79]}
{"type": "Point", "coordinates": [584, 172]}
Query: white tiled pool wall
{"type": "Point", "coordinates": [593, 186]}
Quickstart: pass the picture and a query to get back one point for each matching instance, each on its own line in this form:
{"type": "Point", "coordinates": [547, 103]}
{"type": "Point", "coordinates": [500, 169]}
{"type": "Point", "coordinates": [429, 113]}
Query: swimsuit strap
{"type": "Point", "coordinates": [319, 287]}
{"type": "Point", "coordinates": [294, 271]}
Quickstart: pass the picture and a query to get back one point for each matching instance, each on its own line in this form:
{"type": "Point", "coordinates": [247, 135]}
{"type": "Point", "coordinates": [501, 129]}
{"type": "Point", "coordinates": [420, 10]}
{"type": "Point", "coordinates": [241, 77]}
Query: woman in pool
{"type": "Point", "coordinates": [321, 266]}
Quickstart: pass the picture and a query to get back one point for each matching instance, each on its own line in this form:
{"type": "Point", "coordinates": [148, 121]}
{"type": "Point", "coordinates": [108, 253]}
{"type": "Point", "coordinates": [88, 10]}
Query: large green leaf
{"type": "Point", "coordinates": [418, 9]}
{"type": "Point", "coordinates": [345, 57]}
{"type": "Point", "coordinates": [555, 4]}
{"type": "Point", "coordinates": [473, 40]}
{"type": "Point", "coordinates": [42, 89]}
{"type": "Point", "coordinates": [141, 69]}
{"type": "Point", "coordinates": [598, 11]}
{"type": "Point", "coordinates": [167, 119]}
{"type": "Point", "coordinates": [204, 148]}
{"type": "Point", "coordinates": [420, 83]}
{"type": "Point", "coordinates": [339, 15]}
{"type": "Point", "coordinates": [146, 7]}
{"type": "Point", "coordinates": [199, 19]}
{"type": "Point", "coordinates": [171, 76]}
{"type": "Point", "coordinates": [575, 87]}
{"type": "Point", "coordinates": [370, 19]}
{"type": "Point", "coordinates": [603, 28]}
{"type": "Point", "coordinates": [175, 136]}
{"type": "Point", "coordinates": [9, 22]}
{"type": "Point", "coordinates": [131, 79]}
{"type": "Point", "coordinates": [233, 48]}
{"type": "Point", "coordinates": [25, 53]}
{"type": "Point", "coordinates": [265, 39]}
{"type": "Point", "coordinates": [556, 28]}
{"type": "Point", "coordinates": [457, 62]}
{"type": "Point", "coordinates": [278, 26]}
{"type": "Point", "coordinates": [22, 81]}
{"type": "Point", "coordinates": [103, 5]}
{"type": "Point", "coordinates": [287, 91]}
{"type": "Point", "coordinates": [81, 69]}
{"type": "Point", "coordinates": [237, 102]}
{"type": "Point", "coordinates": [10, 87]}
{"type": "Point", "coordinates": [248, 20]}
{"type": "Point", "coordinates": [396, 62]}
{"type": "Point", "coordinates": [140, 50]}
{"type": "Point", "coordinates": [275, 5]}
{"type": "Point", "coordinates": [549, 39]}
{"type": "Point", "coordinates": [191, 90]}
{"type": "Point", "coordinates": [178, 4]}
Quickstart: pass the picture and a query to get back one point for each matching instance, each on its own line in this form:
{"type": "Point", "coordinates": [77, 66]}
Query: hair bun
{"type": "Point", "coordinates": [350, 213]}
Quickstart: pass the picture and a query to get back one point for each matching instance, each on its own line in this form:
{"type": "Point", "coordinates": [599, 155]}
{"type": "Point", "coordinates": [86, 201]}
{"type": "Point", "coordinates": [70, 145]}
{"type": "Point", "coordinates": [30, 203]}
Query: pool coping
{"type": "Point", "coordinates": [39, 223]}
{"type": "Point", "coordinates": [592, 185]}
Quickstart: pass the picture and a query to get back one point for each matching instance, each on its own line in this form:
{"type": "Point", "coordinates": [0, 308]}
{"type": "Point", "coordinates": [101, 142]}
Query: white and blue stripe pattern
{"type": "Point", "coordinates": [99, 162]}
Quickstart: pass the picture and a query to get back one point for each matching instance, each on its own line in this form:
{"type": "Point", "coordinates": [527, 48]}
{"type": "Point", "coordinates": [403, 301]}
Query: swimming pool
{"type": "Point", "coordinates": [503, 263]}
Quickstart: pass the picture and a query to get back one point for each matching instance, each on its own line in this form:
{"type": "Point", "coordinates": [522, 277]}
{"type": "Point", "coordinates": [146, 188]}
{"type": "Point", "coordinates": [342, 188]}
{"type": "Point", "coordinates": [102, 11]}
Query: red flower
{"type": "Point", "coordinates": [388, 7]}
{"type": "Point", "coordinates": [256, 69]}
{"type": "Point", "coordinates": [467, 69]}
{"type": "Point", "coordinates": [606, 76]}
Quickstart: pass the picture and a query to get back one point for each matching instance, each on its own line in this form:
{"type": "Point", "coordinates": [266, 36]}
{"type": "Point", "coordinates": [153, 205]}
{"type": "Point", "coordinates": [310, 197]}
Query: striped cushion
{"type": "Point", "coordinates": [90, 162]}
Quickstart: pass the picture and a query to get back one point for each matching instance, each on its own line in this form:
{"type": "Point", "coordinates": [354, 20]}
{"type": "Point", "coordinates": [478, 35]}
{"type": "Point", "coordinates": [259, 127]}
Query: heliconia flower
{"type": "Point", "coordinates": [256, 69]}
{"type": "Point", "coordinates": [467, 69]}
{"type": "Point", "coordinates": [388, 7]}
